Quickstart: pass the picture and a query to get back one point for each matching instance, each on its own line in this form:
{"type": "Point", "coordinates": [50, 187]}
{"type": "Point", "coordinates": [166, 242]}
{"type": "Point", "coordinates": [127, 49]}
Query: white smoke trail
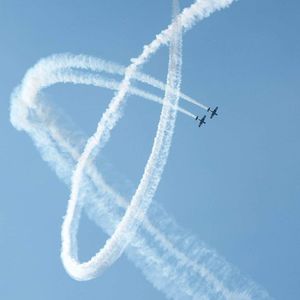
{"type": "Point", "coordinates": [70, 76]}
{"type": "Point", "coordinates": [98, 65]}
{"type": "Point", "coordinates": [141, 200]}
{"type": "Point", "coordinates": [158, 240]}
{"type": "Point", "coordinates": [168, 119]}
{"type": "Point", "coordinates": [116, 244]}
{"type": "Point", "coordinates": [63, 68]}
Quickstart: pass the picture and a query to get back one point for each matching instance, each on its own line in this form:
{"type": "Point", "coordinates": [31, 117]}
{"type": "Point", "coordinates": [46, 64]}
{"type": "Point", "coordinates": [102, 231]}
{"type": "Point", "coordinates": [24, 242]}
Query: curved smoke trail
{"type": "Point", "coordinates": [64, 62]}
{"type": "Point", "coordinates": [172, 270]}
{"type": "Point", "coordinates": [125, 230]}
{"type": "Point", "coordinates": [116, 244]}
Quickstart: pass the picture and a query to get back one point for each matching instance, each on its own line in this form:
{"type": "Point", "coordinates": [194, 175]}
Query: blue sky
{"type": "Point", "coordinates": [234, 183]}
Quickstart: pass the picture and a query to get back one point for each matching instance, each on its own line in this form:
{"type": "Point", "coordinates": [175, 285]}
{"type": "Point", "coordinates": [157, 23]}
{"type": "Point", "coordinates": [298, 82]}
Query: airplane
{"type": "Point", "coordinates": [213, 112]}
{"type": "Point", "coordinates": [201, 121]}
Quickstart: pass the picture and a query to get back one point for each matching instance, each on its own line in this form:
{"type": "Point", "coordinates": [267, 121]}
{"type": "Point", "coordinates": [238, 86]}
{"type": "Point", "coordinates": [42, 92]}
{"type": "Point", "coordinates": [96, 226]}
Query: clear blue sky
{"type": "Point", "coordinates": [235, 183]}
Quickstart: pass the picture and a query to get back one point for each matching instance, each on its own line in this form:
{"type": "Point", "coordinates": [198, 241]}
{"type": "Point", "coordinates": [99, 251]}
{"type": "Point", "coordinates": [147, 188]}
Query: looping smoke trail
{"type": "Point", "coordinates": [179, 273]}
{"type": "Point", "coordinates": [125, 230]}
{"type": "Point", "coordinates": [145, 191]}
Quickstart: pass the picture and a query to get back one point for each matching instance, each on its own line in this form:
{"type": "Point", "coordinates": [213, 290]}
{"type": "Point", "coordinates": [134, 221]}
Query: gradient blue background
{"type": "Point", "coordinates": [235, 183]}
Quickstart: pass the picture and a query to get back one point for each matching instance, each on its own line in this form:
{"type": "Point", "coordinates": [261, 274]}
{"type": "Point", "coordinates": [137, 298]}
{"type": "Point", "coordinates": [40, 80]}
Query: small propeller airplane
{"type": "Point", "coordinates": [213, 112]}
{"type": "Point", "coordinates": [201, 121]}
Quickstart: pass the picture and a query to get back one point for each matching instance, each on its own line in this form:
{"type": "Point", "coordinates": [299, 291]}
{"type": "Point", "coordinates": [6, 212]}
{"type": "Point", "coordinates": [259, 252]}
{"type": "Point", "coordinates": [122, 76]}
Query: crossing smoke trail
{"type": "Point", "coordinates": [68, 68]}
{"type": "Point", "coordinates": [179, 273]}
{"type": "Point", "coordinates": [125, 230]}
{"type": "Point", "coordinates": [145, 191]}
{"type": "Point", "coordinates": [84, 62]}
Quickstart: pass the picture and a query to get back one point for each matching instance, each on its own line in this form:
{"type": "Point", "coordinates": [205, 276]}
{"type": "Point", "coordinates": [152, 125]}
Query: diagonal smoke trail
{"type": "Point", "coordinates": [159, 244]}
{"type": "Point", "coordinates": [70, 76]}
{"type": "Point", "coordinates": [187, 270]}
{"type": "Point", "coordinates": [181, 275]}
{"type": "Point", "coordinates": [141, 200]}
{"type": "Point", "coordinates": [97, 65]}
{"type": "Point", "coordinates": [65, 68]}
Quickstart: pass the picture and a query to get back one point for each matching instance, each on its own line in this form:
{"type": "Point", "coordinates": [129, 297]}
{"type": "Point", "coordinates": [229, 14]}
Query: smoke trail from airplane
{"type": "Point", "coordinates": [69, 75]}
{"type": "Point", "coordinates": [176, 279]}
{"type": "Point", "coordinates": [125, 230]}
{"type": "Point", "coordinates": [159, 244]}
{"type": "Point", "coordinates": [141, 200]}
{"type": "Point", "coordinates": [167, 247]}
{"type": "Point", "coordinates": [84, 62]}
